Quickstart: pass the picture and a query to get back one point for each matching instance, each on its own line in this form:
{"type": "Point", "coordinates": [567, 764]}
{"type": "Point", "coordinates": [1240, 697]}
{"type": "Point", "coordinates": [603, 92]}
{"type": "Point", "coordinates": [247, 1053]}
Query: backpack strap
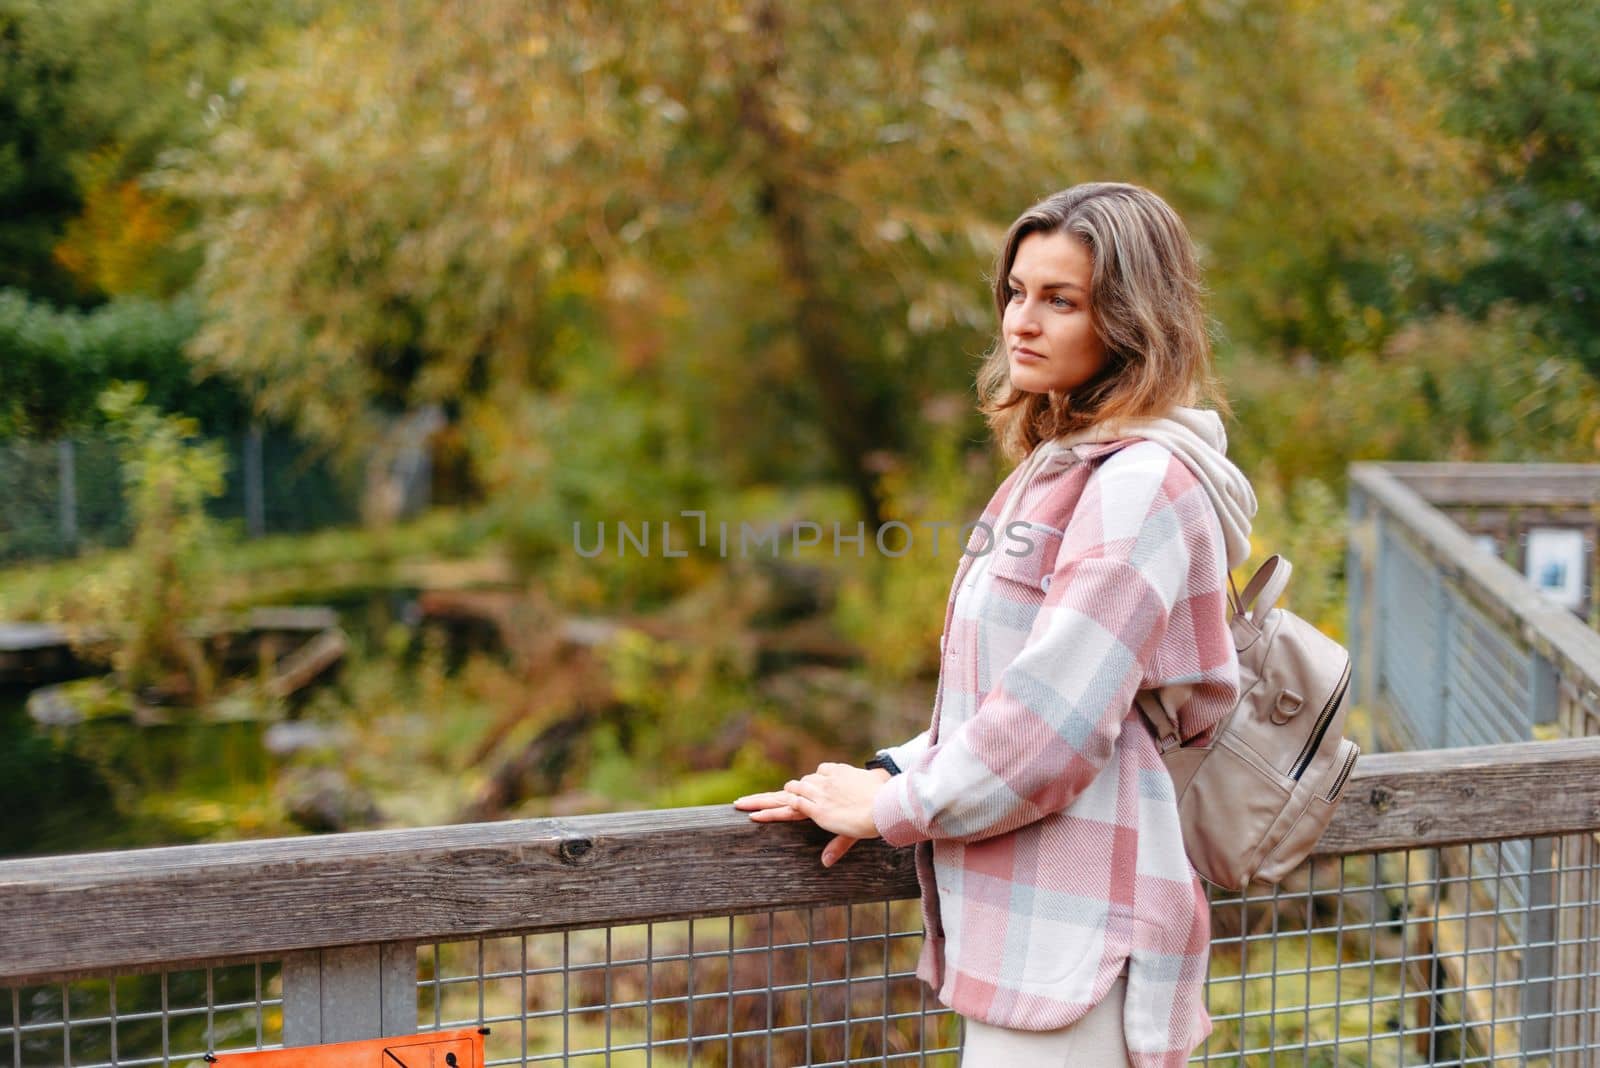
{"type": "Point", "coordinates": [1260, 594]}
{"type": "Point", "coordinates": [1263, 589]}
{"type": "Point", "coordinates": [1166, 730]}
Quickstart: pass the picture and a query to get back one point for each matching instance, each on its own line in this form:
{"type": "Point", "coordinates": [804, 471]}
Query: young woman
{"type": "Point", "coordinates": [1063, 920]}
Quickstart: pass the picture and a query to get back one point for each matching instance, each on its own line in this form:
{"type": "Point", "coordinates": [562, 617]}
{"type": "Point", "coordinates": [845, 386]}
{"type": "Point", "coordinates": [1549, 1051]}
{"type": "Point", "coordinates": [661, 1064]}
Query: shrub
{"type": "Point", "coordinates": [165, 584]}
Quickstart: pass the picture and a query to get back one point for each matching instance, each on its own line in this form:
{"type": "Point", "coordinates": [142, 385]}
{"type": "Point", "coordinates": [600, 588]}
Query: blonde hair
{"type": "Point", "coordinates": [1146, 304]}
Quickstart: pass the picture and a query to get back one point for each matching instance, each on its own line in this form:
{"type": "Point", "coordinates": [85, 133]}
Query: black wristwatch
{"type": "Point", "coordinates": [883, 761]}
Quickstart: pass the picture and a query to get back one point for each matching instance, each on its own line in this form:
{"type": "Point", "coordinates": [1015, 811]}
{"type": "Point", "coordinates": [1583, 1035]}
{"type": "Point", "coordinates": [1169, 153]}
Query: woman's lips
{"type": "Point", "coordinates": [1026, 355]}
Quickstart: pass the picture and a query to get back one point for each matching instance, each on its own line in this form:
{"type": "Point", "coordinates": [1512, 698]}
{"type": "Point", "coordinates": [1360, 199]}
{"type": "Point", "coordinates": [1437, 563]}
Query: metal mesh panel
{"type": "Point", "coordinates": [1479, 954]}
{"type": "Point", "coordinates": [167, 1018]}
{"type": "Point", "coordinates": [1408, 611]}
{"type": "Point", "coordinates": [833, 986]}
{"type": "Point", "coordinates": [1490, 692]}
{"type": "Point", "coordinates": [1408, 958]}
{"type": "Point", "coordinates": [30, 486]}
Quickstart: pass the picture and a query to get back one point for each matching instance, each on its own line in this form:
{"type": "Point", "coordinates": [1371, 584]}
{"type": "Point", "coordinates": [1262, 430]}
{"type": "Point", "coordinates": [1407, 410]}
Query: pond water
{"type": "Point", "coordinates": [111, 784]}
{"type": "Point", "coordinates": [107, 783]}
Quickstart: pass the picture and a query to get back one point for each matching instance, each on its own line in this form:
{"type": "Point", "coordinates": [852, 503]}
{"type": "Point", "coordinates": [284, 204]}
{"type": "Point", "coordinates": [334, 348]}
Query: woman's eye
{"type": "Point", "coordinates": [1013, 294]}
{"type": "Point", "coordinates": [1062, 302]}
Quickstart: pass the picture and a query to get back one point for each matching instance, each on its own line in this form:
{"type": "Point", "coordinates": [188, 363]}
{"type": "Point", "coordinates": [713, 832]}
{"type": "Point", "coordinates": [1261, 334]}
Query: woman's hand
{"type": "Point", "coordinates": [836, 797]}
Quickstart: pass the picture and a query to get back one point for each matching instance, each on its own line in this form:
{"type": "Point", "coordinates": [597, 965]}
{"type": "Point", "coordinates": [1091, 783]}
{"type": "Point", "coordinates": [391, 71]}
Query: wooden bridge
{"type": "Point", "coordinates": [1451, 915]}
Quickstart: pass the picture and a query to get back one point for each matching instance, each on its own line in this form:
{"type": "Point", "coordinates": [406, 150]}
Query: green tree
{"type": "Point", "coordinates": [54, 363]}
{"type": "Point", "coordinates": [1527, 91]}
{"type": "Point", "coordinates": [37, 191]}
{"type": "Point", "coordinates": [92, 94]}
{"type": "Point", "coordinates": [783, 212]}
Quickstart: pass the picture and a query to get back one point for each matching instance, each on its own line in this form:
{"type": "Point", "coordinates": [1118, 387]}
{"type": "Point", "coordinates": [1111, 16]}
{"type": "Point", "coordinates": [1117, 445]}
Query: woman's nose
{"type": "Point", "coordinates": [1023, 323]}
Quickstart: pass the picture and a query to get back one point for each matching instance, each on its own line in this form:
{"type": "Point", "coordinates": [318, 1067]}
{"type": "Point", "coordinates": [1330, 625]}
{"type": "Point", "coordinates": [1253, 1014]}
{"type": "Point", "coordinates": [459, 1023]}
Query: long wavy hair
{"type": "Point", "coordinates": [1146, 302]}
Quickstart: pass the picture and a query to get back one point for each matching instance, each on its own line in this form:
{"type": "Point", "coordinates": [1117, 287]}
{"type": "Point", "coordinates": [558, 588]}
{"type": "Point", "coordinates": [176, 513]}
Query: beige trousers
{"type": "Point", "coordinates": [1094, 1040]}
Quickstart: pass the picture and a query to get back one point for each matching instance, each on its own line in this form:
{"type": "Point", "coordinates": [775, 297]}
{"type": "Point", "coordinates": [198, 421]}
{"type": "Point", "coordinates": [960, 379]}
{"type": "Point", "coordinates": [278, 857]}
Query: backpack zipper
{"type": "Point", "coordinates": [1323, 719]}
{"type": "Point", "coordinates": [1344, 773]}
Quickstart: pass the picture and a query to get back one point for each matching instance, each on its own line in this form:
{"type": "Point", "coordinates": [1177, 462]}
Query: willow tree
{"type": "Point", "coordinates": [779, 216]}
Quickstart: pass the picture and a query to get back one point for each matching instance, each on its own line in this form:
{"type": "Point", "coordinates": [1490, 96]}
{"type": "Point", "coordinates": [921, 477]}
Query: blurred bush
{"type": "Point", "coordinates": [893, 606]}
{"type": "Point", "coordinates": [1524, 88]}
{"type": "Point", "coordinates": [54, 363]}
{"type": "Point", "coordinates": [1442, 388]}
{"type": "Point", "coordinates": [165, 585]}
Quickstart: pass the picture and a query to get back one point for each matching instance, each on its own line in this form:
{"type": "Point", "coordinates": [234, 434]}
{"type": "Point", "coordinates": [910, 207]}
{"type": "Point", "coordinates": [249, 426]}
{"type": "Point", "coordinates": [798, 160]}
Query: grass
{"type": "Point", "coordinates": [271, 568]}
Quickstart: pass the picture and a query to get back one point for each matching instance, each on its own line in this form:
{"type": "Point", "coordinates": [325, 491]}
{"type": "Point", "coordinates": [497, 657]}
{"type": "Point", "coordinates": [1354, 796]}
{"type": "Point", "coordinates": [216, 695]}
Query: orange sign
{"type": "Point", "coordinates": [436, 1049]}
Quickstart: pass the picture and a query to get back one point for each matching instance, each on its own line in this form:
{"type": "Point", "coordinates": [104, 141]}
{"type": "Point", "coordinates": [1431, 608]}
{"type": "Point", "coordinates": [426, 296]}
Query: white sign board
{"type": "Point", "coordinates": [1554, 563]}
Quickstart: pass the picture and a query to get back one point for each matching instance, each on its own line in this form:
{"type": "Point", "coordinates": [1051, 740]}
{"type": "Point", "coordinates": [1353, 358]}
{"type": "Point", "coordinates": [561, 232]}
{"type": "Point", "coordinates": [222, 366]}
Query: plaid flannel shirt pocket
{"type": "Point", "coordinates": [1031, 568]}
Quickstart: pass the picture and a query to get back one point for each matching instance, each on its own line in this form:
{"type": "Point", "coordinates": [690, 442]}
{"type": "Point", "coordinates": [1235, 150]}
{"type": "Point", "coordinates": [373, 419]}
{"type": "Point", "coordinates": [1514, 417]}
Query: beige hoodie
{"type": "Point", "coordinates": [1196, 437]}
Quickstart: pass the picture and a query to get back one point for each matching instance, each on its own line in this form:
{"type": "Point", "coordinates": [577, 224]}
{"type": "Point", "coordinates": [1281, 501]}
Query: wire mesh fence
{"type": "Point", "coordinates": [821, 986]}
{"type": "Point", "coordinates": [58, 498]}
{"type": "Point", "coordinates": [166, 1018]}
{"type": "Point", "coordinates": [1409, 660]}
{"type": "Point", "coordinates": [1454, 955]}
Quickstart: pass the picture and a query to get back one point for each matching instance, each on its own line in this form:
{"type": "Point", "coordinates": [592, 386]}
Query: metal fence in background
{"type": "Point", "coordinates": [59, 498]}
{"type": "Point", "coordinates": [164, 1018]}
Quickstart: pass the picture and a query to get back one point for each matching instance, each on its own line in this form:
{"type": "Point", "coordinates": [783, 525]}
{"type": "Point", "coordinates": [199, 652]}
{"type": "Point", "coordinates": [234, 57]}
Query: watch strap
{"type": "Point", "coordinates": [884, 761]}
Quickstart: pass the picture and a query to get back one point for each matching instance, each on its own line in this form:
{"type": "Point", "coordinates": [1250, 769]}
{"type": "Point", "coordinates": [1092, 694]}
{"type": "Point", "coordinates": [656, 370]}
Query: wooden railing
{"type": "Point", "coordinates": [1452, 644]}
{"type": "Point", "coordinates": [352, 917]}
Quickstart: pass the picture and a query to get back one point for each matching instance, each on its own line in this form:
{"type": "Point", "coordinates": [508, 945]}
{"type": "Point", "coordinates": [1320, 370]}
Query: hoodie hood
{"type": "Point", "coordinates": [1195, 436]}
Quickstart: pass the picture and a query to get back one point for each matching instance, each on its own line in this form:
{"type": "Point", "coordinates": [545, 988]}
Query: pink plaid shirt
{"type": "Point", "coordinates": [1048, 844]}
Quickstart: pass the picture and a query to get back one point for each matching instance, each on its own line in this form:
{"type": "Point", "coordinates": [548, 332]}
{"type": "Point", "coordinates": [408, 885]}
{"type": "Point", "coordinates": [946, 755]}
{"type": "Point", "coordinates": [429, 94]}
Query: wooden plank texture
{"type": "Point", "coordinates": [1467, 794]}
{"type": "Point", "coordinates": [103, 911]}
{"type": "Point", "coordinates": [1502, 485]}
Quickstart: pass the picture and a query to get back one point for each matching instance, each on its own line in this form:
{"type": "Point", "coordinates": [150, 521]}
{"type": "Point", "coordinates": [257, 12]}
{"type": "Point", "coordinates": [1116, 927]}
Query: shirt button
{"type": "Point", "coordinates": [1044, 584]}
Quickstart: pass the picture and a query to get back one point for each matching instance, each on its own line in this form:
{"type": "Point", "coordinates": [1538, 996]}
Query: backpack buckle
{"type": "Point", "coordinates": [1286, 707]}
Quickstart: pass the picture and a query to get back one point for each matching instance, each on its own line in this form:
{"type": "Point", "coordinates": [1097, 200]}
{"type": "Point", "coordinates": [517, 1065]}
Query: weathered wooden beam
{"type": "Point", "coordinates": [308, 663]}
{"type": "Point", "coordinates": [1502, 485]}
{"type": "Point", "coordinates": [104, 911]}
{"type": "Point", "coordinates": [1484, 793]}
{"type": "Point", "coordinates": [1485, 519]}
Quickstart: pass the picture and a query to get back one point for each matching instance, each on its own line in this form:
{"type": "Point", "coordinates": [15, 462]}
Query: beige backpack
{"type": "Point", "coordinates": [1256, 799]}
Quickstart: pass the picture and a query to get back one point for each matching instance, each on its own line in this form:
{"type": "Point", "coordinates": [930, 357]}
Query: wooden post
{"type": "Point", "coordinates": [1446, 732]}
{"type": "Point", "coordinates": [1544, 691]}
{"type": "Point", "coordinates": [1538, 956]}
{"type": "Point", "coordinates": [349, 993]}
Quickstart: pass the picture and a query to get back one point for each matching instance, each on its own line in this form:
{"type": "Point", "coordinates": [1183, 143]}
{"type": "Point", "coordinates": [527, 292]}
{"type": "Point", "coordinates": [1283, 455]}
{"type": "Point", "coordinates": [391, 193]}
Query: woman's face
{"type": "Point", "coordinates": [1047, 329]}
